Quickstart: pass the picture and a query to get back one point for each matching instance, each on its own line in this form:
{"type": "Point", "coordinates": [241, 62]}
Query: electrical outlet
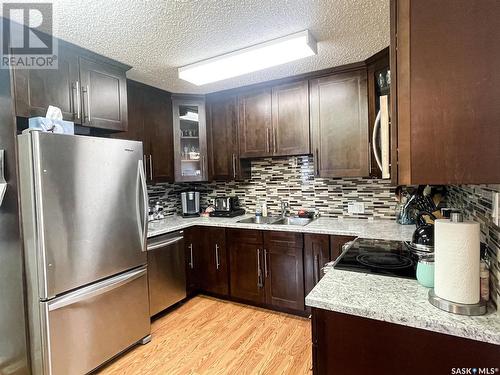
{"type": "Point", "coordinates": [495, 215]}
{"type": "Point", "coordinates": [356, 208]}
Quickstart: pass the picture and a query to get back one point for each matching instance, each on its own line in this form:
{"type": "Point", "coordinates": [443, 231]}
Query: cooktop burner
{"type": "Point", "coordinates": [388, 261]}
{"type": "Point", "coordinates": [389, 258]}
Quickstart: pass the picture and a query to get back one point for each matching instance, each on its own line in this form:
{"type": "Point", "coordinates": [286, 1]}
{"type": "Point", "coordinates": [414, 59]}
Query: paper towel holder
{"type": "Point", "coordinates": [457, 308]}
{"type": "Point", "coordinates": [3, 183]}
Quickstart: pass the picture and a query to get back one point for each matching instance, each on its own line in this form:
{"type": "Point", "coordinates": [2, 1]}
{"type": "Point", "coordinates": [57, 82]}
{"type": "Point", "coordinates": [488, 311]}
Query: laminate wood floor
{"type": "Point", "coordinates": [211, 336]}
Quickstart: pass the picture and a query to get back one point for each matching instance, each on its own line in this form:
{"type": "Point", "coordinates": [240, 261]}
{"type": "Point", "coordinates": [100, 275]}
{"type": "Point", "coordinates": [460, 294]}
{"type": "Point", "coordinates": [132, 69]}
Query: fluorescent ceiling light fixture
{"type": "Point", "coordinates": [274, 52]}
{"type": "Point", "coordinates": [190, 116]}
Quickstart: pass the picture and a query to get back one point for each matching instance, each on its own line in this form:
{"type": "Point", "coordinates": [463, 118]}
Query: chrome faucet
{"type": "Point", "coordinates": [284, 207]}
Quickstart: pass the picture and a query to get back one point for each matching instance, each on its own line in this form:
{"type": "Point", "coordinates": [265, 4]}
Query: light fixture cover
{"type": "Point", "coordinates": [260, 56]}
{"type": "Point", "coordinates": [190, 116]}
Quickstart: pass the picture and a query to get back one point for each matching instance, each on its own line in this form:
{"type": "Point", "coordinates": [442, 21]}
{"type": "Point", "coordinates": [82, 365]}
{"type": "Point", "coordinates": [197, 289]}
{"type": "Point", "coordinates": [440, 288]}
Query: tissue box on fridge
{"type": "Point", "coordinates": [52, 126]}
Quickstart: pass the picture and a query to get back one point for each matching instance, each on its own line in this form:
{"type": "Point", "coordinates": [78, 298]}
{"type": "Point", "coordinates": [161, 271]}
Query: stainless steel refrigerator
{"type": "Point", "coordinates": [84, 212]}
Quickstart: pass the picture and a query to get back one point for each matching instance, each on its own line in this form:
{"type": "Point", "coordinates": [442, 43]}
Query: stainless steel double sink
{"type": "Point", "coordinates": [270, 220]}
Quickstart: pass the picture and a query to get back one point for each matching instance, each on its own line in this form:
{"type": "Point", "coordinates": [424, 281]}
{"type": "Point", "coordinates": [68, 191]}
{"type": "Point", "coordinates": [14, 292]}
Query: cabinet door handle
{"type": "Point", "coordinates": [150, 167]}
{"type": "Point", "coordinates": [316, 269]}
{"type": "Point", "coordinates": [259, 271]}
{"type": "Point", "coordinates": [88, 115]}
{"type": "Point", "coordinates": [203, 167]}
{"type": "Point", "coordinates": [265, 263]}
{"type": "Point", "coordinates": [268, 146]}
{"type": "Point", "coordinates": [191, 262]}
{"type": "Point", "coordinates": [76, 88]}
{"type": "Point", "coordinates": [217, 262]}
{"type": "Point", "coordinates": [234, 166]}
{"type": "Point", "coordinates": [369, 158]}
{"type": "Point", "coordinates": [275, 136]}
{"type": "Point", "coordinates": [317, 162]}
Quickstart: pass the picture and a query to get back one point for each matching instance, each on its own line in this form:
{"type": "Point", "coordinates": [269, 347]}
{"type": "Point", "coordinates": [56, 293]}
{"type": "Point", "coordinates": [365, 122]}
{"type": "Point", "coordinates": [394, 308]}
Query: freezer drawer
{"type": "Point", "coordinates": [91, 325]}
{"type": "Point", "coordinates": [166, 271]}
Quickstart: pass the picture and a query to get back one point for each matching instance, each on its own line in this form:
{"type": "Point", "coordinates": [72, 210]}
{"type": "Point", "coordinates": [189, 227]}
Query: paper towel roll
{"type": "Point", "coordinates": [457, 261]}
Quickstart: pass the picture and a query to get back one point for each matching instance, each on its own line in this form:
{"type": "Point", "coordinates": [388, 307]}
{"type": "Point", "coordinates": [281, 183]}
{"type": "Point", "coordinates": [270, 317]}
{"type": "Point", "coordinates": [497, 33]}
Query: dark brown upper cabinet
{"type": "Point", "coordinates": [36, 89]}
{"type": "Point", "coordinates": [339, 123]}
{"type": "Point", "coordinates": [190, 138]}
{"type": "Point", "coordinates": [254, 123]}
{"type": "Point", "coordinates": [290, 119]}
{"type": "Point", "coordinates": [446, 90]}
{"type": "Point", "coordinates": [150, 122]}
{"type": "Point", "coordinates": [157, 117]}
{"type": "Point", "coordinates": [90, 89]}
{"type": "Point", "coordinates": [223, 147]}
{"type": "Point", "coordinates": [104, 95]}
{"type": "Point", "coordinates": [274, 121]}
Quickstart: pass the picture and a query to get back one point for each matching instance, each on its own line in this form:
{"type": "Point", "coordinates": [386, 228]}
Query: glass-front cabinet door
{"type": "Point", "coordinates": [190, 140]}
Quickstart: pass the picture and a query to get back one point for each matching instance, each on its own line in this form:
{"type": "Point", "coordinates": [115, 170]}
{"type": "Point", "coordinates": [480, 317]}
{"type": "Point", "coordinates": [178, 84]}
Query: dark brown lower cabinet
{"type": "Point", "coordinates": [351, 345]}
{"type": "Point", "coordinates": [206, 261]}
{"type": "Point", "coordinates": [246, 260]}
{"type": "Point", "coordinates": [316, 255]}
{"type": "Point", "coordinates": [267, 268]}
{"type": "Point", "coordinates": [320, 249]}
{"type": "Point", "coordinates": [337, 243]}
{"type": "Point", "coordinates": [193, 254]}
{"type": "Point", "coordinates": [215, 277]}
{"type": "Point", "coordinates": [283, 270]}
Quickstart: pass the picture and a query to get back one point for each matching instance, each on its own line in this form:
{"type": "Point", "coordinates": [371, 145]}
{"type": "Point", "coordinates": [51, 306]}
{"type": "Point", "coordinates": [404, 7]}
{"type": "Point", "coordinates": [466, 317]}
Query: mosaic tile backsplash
{"type": "Point", "coordinates": [476, 202]}
{"type": "Point", "coordinates": [292, 180]}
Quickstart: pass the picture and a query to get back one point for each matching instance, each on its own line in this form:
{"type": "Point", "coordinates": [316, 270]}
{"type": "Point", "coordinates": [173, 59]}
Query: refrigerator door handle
{"type": "Point", "coordinates": [142, 222]}
{"type": "Point", "coordinates": [3, 183]}
{"type": "Point", "coordinates": [96, 289]}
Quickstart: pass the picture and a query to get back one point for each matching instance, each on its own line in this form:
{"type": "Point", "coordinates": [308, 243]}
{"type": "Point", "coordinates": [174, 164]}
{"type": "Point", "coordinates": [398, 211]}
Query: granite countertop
{"type": "Point", "coordinates": [399, 301]}
{"type": "Point", "coordinates": [390, 299]}
{"type": "Point", "coordinates": [381, 229]}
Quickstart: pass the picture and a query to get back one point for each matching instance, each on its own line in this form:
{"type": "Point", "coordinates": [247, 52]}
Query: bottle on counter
{"type": "Point", "coordinates": [484, 276]}
{"type": "Point", "coordinates": [264, 209]}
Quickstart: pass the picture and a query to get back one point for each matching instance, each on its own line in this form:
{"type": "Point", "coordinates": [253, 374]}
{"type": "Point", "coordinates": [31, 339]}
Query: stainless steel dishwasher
{"type": "Point", "coordinates": [166, 271]}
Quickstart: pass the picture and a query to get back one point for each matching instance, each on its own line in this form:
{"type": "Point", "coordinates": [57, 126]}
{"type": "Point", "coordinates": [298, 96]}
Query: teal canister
{"type": "Point", "coordinates": [425, 272]}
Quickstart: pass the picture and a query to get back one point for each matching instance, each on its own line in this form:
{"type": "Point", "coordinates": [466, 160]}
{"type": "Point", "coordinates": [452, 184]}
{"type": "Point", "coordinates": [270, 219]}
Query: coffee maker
{"type": "Point", "coordinates": [190, 203]}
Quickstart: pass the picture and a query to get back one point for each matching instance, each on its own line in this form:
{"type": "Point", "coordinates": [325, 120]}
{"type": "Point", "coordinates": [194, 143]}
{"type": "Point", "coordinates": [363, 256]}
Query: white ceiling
{"type": "Point", "coordinates": [156, 37]}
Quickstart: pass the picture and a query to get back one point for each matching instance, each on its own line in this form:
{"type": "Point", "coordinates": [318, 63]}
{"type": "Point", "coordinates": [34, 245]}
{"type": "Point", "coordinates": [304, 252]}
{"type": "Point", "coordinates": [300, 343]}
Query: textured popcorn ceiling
{"type": "Point", "coordinates": [156, 37]}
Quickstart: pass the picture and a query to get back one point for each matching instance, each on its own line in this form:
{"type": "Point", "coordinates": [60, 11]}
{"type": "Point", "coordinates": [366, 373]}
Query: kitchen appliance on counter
{"type": "Point", "coordinates": [423, 236]}
{"type": "Point", "coordinates": [190, 203]}
{"type": "Point", "coordinates": [457, 286]}
{"type": "Point", "coordinates": [166, 271]}
{"type": "Point", "coordinates": [383, 257]}
{"type": "Point", "coordinates": [227, 207]}
{"type": "Point", "coordinates": [85, 258]}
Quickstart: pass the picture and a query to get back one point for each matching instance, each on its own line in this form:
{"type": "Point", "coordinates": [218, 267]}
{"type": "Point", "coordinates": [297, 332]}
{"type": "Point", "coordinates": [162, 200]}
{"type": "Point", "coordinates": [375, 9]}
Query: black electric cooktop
{"type": "Point", "coordinates": [383, 257]}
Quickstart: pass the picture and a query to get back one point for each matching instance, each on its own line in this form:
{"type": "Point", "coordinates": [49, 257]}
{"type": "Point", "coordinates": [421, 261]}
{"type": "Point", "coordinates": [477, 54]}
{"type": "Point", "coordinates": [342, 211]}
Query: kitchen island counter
{"type": "Point", "coordinates": [400, 301]}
